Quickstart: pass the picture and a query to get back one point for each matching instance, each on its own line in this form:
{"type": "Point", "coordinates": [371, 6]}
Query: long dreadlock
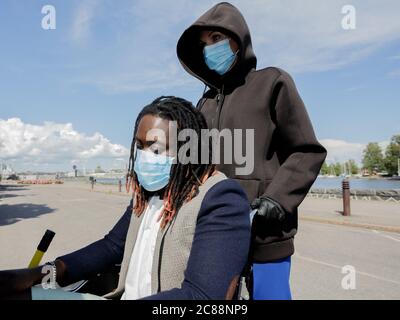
{"type": "Point", "coordinates": [185, 179]}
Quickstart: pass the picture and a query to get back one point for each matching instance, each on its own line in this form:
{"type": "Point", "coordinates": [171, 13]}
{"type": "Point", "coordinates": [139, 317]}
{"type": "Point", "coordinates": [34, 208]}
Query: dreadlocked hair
{"type": "Point", "coordinates": [185, 179]}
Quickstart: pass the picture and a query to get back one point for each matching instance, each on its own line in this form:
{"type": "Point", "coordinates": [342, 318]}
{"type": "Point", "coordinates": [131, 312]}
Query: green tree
{"type": "Point", "coordinates": [324, 169]}
{"type": "Point", "coordinates": [372, 157]}
{"type": "Point", "coordinates": [335, 168]}
{"type": "Point", "coordinates": [354, 169]}
{"type": "Point", "coordinates": [392, 155]}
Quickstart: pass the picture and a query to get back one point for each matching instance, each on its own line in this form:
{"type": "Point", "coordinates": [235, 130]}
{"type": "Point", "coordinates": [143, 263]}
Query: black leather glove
{"type": "Point", "coordinates": [268, 209]}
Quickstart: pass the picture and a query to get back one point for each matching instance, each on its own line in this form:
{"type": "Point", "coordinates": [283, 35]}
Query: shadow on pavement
{"type": "Point", "coordinates": [10, 195]}
{"type": "Point", "coordinates": [12, 213]}
{"type": "Point", "coordinates": [12, 187]}
{"type": "Point", "coordinates": [11, 191]}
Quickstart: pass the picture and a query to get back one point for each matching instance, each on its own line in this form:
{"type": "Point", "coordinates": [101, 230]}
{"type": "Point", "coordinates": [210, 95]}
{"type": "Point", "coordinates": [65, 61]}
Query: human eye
{"type": "Point", "coordinates": [216, 37]}
{"type": "Point", "coordinates": [157, 148]}
{"type": "Point", "coordinates": [138, 145]}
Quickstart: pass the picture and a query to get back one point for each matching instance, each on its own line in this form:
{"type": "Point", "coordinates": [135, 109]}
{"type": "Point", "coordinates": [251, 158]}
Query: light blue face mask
{"type": "Point", "coordinates": [219, 56]}
{"type": "Point", "coordinates": [152, 170]}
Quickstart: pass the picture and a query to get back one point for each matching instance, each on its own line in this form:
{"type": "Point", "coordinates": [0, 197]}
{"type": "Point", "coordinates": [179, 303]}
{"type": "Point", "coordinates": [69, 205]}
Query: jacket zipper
{"type": "Point", "coordinates": [220, 103]}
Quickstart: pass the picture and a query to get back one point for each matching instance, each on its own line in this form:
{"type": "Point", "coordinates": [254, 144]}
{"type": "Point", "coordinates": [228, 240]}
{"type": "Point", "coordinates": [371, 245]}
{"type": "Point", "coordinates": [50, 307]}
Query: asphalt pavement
{"type": "Point", "coordinates": [336, 257]}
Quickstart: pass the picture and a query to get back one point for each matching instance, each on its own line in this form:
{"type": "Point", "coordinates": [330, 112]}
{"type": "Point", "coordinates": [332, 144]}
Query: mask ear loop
{"type": "Point", "coordinates": [234, 61]}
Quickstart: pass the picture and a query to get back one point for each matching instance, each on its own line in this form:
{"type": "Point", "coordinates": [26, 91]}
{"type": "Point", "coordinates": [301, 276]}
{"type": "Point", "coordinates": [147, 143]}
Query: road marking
{"type": "Point", "coordinates": [385, 235]}
{"type": "Point", "coordinates": [340, 268]}
{"type": "Point", "coordinates": [348, 223]}
{"type": "Point", "coordinates": [331, 227]}
{"type": "Point", "coordinates": [389, 237]}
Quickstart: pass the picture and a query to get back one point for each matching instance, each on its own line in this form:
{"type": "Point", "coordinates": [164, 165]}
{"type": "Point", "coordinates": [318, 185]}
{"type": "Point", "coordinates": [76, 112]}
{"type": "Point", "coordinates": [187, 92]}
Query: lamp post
{"type": "Point", "coordinates": [75, 170]}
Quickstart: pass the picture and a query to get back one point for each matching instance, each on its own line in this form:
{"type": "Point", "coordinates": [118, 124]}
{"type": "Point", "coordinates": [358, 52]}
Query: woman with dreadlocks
{"type": "Point", "coordinates": [185, 233]}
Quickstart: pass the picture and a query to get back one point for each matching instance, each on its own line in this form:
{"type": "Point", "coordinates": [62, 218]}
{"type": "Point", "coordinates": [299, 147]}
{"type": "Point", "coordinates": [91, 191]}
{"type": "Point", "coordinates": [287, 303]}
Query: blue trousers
{"type": "Point", "coordinates": [271, 280]}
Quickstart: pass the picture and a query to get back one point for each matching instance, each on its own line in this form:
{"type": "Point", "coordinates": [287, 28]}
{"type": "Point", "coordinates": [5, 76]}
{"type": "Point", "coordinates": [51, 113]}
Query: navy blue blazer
{"type": "Point", "coordinates": [219, 250]}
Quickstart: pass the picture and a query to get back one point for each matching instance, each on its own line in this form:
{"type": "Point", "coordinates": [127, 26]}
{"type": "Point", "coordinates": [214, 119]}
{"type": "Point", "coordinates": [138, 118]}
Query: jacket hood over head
{"type": "Point", "coordinates": [226, 18]}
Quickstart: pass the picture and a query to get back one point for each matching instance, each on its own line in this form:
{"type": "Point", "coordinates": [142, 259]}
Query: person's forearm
{"type": "Point", "coordinates": [37, 275]}
{"type": "Point", "coordinates": [61, 277]}
{"type": "Point", "coordinates": [16, 284]}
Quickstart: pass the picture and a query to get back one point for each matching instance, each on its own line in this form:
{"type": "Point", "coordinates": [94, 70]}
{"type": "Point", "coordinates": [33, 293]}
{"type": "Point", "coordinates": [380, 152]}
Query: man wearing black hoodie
{"type": "Point", "coordinates": [217, 50]}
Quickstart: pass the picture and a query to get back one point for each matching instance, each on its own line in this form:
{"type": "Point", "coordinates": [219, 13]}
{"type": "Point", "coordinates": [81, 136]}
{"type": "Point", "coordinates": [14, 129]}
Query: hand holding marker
{"type": "Point", "coordinates": [41, 248]}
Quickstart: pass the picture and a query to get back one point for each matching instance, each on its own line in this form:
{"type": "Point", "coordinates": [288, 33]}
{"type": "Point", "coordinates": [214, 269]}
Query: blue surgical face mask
{"type": "Point", "coordinates": [152, 170]}
{"type": "Point", "coordinates": [219, 56]}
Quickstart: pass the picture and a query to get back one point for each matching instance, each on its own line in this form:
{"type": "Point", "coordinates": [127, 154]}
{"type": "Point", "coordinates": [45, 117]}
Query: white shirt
{"type": "Point", "coordinates": [138, 279]}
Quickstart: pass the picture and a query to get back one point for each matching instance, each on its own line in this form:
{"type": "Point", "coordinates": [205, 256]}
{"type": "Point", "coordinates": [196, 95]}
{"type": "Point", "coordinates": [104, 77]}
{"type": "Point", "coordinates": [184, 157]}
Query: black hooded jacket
{"type": "Point", "coordinates": [287, 155]}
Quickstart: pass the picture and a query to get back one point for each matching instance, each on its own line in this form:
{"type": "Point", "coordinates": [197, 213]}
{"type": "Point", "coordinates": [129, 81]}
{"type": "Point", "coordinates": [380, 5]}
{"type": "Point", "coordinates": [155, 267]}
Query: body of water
{"type": "Point", "coordinates": [357, 183]}
{"type": "Point", "coordinates": [321, 182]}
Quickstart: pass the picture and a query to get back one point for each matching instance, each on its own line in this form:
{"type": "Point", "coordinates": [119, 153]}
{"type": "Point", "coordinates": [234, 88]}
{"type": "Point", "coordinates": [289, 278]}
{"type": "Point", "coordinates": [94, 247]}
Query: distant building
{"type": "Point", "coordinates": [364, 172]}
{"type": "Point", "coordinates": [6, 170]}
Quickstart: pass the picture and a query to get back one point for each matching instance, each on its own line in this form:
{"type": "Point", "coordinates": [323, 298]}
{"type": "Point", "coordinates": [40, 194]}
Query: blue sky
{"type": "Point", "coordinates": [105, 60]}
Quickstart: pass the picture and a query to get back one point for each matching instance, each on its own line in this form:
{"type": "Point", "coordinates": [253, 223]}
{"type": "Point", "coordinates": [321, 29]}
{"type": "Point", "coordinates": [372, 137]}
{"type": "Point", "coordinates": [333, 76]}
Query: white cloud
{"type": "Point", "coordinates": [298, 35]}
{"type": "Point", "coordinates": [82, 22]}
{"type": "Point", "coordinates": [307, 35]}
{"type": "Point", "coordinates": [139, 54]}
{"type": "Point", "coordinates": [53, 143]}
{"type": "Point", "coordinates": [341, 151]}
{"type": "Point", "coordinates": [164, 78]}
